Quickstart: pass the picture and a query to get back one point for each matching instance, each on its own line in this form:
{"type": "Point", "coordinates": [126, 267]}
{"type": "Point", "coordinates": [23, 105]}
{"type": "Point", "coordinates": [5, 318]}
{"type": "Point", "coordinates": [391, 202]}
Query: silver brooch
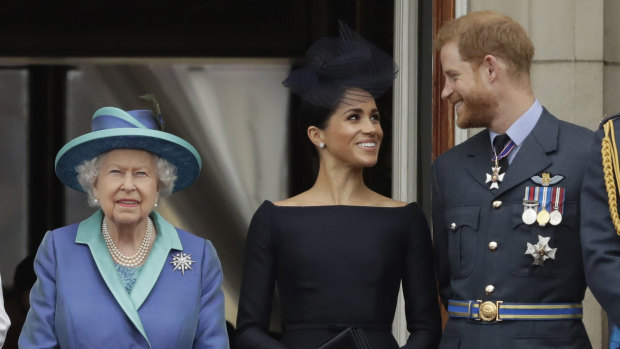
{"type": "Point", "coordinates": [182, 261]}
{"type": "Point", "coordinates": [541, 251]}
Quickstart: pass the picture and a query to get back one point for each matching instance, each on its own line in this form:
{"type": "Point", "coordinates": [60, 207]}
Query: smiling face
{"type": "Point", "coordinates": [475, 105]}
{"type": "Point", "coordinates": [353, 134]}
{"type": "Point", "coordinates": [127, 186]}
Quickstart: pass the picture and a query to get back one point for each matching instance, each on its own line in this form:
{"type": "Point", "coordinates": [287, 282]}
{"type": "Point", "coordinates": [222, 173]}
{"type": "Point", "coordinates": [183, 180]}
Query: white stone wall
{"type": "Point", "coordinates": [575, 75]}
{"type": "Point", "coordinates": [611, 54]}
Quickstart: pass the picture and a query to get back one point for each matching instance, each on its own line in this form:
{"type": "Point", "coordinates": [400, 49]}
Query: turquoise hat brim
{"type": "Point", "coordinates": [165, 145]}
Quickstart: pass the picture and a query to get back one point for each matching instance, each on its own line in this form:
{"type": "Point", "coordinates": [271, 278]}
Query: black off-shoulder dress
{"type": "Point", "coordinates": [335, 267]}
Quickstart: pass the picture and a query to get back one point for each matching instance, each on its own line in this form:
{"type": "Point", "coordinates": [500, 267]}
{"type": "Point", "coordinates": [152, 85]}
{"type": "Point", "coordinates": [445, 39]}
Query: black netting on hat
{"type": "Point", "coordinates": [333, 65]}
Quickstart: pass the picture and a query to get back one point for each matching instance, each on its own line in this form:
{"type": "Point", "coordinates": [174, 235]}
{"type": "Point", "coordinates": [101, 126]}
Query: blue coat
{"type": "Point", "coordinates": [79, 300]}
{"type": "Point", "coordinates": [601, 243]}
{"type": "Point", "coordinates": [468, 216]}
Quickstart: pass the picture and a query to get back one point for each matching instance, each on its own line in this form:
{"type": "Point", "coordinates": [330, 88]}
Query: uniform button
{"type": "Point", "coordinates": [492, 245]}
{"type": "Point", "coordinates": [497, 204]}
{"type": "Point", "coordinates": [453, 226]}
{"type": "Point", "coordinates": [489, 289]}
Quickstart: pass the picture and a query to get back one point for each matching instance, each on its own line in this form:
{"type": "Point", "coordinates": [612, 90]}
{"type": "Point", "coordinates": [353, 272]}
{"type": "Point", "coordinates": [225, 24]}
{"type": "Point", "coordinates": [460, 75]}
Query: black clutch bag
{"type": "Point", "coordinates": [351, 338]}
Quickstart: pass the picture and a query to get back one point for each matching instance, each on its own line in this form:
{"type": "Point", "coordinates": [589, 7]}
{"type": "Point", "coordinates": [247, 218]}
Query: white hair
{"type": "Point", "coordinates": [88, 171]}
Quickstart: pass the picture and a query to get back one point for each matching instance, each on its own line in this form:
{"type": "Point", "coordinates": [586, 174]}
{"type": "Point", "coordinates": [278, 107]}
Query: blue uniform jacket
{"type": "Point", "coordinates": [601, 243]}
{"type": "Point", "coordinates": [468, 216]}
{"type": "Point", "coordinates": [79, 300]}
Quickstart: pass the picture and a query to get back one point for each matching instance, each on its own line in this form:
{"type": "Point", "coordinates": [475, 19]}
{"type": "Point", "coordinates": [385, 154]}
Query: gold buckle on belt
{"type": "Point", "coordinates": [489, 311]}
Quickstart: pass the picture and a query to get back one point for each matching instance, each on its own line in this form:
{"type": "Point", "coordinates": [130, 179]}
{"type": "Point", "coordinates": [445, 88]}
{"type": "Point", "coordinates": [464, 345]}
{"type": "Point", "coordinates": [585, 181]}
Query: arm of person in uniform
{"type": "Point", "coordinates": [419, 286]}
{"type": "Point", "coordinates": [211, 332]}
{"type": "Point", "coordinates": [257, 286]}
{"type": "Point", "coordinates": [39, 329]}
{"type": "Point", "coordinates": [599, 241]}
{"type": "Point", "coordinates": [440, 241]}
{"type": "Point", "coordinates": [5, 322]}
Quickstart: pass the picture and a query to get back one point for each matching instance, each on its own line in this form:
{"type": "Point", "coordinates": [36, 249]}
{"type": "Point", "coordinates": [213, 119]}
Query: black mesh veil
{"type": "Point", "coordinates": [333, 65]}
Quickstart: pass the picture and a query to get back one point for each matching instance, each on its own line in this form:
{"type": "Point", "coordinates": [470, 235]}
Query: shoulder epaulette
{"type": "Point", "coordinates": [611, 168]}
{"type": "Point", "coordinates": [609, 118]}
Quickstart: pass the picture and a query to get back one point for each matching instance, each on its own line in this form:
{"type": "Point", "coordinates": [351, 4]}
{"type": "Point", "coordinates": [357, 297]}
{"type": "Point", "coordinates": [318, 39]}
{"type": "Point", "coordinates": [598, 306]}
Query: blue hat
{"type": "Point", "coordinates": [113, 128]}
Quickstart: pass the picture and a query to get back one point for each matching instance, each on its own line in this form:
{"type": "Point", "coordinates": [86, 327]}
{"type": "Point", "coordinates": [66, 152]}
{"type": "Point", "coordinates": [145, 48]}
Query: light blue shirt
{"type": "Point", "coordinates": [521, 128]}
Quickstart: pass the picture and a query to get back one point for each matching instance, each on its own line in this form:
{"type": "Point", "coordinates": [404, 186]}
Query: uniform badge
{"type": "Point", "coordinates": [545, 179]}
{"type": "Point", "coordinates": [541, 251]}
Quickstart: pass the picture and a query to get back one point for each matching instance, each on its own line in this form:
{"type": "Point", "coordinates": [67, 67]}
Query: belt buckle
{"type": "Point", "coordinates": [489, 311]}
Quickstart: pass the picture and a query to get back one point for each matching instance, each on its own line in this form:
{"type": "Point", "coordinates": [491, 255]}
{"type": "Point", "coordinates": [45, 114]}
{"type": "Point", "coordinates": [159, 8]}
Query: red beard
{"type": "Point", "coordinates": [478, 109]}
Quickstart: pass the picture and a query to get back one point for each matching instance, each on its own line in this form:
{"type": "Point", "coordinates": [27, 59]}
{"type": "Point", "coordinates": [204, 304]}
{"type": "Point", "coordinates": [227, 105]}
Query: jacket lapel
{"type": "Point", "coordinates": [532, 156]}
{"type": "Point", "coordinates": [89, 233]}
{"type": "Point", "coordinates": [166, 240]}
{"type": "Point", "coordinates": [478, 162]}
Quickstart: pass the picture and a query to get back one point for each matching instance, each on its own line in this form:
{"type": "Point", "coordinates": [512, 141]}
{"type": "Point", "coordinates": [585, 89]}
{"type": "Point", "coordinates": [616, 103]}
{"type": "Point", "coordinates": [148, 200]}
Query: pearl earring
{"type": "Point", "coordinates": [96, 201]}
{"type": "Point", "coordinates": [156, 205]}
{"type": "Point", "coordinates": [322, 145]}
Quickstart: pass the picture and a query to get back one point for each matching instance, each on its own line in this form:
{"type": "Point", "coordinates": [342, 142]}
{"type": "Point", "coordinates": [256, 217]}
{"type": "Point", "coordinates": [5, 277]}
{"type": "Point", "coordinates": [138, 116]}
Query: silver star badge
{"type": "Point", "coordinates": [540, 251]}
{"type": "Point", "coordinates": [495, 177]}
{"type": "Point", "coordinates": [182, 261]}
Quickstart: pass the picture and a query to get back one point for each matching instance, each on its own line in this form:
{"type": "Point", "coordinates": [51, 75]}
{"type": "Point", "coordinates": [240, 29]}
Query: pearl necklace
{"type": "Point", "coordinates": [122, 259]}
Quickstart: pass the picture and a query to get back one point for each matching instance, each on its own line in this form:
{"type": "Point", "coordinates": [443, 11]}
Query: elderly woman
{"type": "Point", "coordinates": [125, 277]}
{"type": "Point", "coordinates": [339, 251]}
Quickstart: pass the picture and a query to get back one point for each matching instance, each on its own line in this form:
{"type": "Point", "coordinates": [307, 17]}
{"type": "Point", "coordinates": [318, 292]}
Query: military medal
{"type": "Point", "coordinates": [529, 206]}
{"type": "Point", "coordinates": [555, 217]}
{"type": "Point", "coordinates": [529, 215]}
{"type": "Point", "coordinates": [543, 215]}
{"type": "Point", "coordinates": [541, 251]}
{"type": "Point", "coordinates": [495, 177]}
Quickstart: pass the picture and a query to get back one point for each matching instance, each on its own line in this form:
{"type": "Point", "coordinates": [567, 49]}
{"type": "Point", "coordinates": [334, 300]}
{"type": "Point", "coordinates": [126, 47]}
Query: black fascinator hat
{"type": "Point", "coordinates": [333, 65]}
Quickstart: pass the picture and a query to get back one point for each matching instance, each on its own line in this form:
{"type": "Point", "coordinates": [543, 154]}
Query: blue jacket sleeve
{"type": "Point", "coordinates": [39, 327]}
{"type": "Point", "coordinates": [211, 332]}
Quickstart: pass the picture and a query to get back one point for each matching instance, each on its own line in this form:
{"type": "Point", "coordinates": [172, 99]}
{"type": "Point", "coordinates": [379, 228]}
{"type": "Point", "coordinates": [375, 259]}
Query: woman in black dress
{"type": "Point", "coordinates": [339, 251]}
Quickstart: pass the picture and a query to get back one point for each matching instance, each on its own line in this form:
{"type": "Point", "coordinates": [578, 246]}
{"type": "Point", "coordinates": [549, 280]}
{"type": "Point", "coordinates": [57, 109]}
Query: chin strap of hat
{"type": "Point", "coordinates": [611, 171]}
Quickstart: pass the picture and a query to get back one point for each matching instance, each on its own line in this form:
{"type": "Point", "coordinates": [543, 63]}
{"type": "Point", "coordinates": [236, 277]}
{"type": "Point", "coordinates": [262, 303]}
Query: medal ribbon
{"type": "Point", "coordinates": [545, 199]}
{"type": "Point", "coordinates": [527, 194]}
{"type": "Point", "coordinates": [530, 192]}
{"type": "Point", "coordinates": [558, 199]}
{"type": "Point", "coordinates": [507, 149]}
